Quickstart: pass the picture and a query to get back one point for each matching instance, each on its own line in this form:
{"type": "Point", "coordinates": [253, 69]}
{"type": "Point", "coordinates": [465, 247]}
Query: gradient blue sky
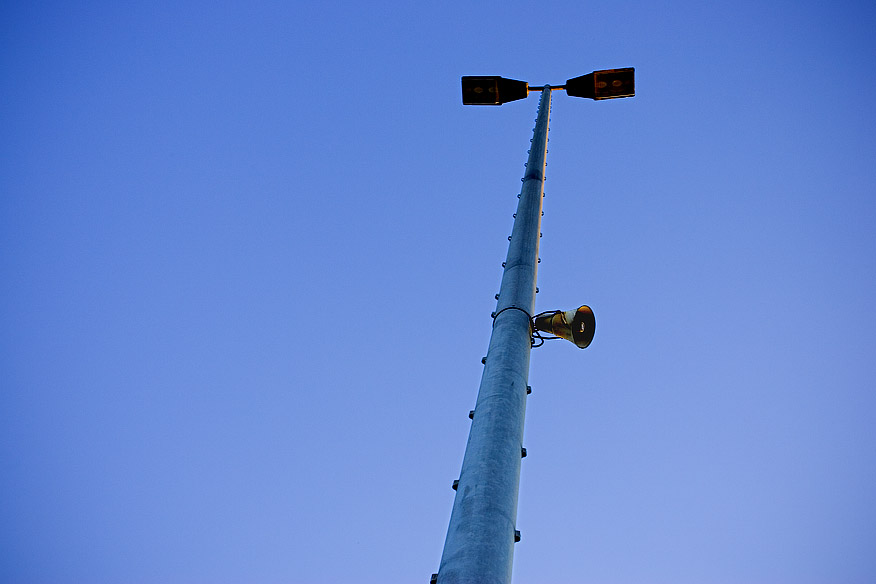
{"type": "Point", "coordinates": [249, 252]}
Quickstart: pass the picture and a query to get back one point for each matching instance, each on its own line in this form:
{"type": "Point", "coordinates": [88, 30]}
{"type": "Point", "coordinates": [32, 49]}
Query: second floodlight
{"type": "Point", "coordinates": [604, 84]}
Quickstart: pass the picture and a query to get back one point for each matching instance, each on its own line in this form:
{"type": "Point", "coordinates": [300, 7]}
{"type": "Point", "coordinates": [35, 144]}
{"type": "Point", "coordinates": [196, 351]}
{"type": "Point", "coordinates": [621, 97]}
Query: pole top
{"type": "Point", "coordinates": [496, 90]}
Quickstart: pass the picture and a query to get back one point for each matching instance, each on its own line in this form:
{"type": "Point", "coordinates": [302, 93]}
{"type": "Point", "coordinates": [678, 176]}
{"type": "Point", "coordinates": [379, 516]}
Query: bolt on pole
{"type": "Point", "coordinates": [479, 546]}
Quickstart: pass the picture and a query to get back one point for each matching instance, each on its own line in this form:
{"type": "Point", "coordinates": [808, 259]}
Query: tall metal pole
{"type": "Point", "coordinates": [479, 547]}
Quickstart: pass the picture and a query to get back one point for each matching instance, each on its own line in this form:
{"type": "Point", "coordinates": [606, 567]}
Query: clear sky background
{"type": "Point", "coordinates": [249, 252]}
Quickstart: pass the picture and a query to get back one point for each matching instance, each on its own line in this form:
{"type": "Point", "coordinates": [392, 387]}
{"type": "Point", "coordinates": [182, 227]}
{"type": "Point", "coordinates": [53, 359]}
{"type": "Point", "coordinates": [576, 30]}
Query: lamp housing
{"type": "Point", "coordinates": [492, 90]}
{"type": "Point", "coordinates": [604, 84]}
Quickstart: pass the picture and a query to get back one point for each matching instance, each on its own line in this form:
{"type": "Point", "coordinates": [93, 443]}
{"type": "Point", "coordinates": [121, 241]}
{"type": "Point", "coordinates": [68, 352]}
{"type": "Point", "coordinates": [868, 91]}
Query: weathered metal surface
{"type": "Point", "coordinates": [479, 547]}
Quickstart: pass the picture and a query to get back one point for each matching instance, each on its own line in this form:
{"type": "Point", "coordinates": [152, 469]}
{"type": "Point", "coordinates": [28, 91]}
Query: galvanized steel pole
{"type": "Point", "coordinates": [479, 547]}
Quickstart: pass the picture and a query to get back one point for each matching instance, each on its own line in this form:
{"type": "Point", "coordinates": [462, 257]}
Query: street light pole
{"type": "Point", "coordinates": [480, 539]}
{"type": "Point", "coordinates": [479, 547]}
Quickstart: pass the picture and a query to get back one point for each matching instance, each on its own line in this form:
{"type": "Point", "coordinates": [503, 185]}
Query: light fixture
{"type": "Point", "coordinates": [604, 84]}
{"type": "Point", "coordinates": [492, 90]}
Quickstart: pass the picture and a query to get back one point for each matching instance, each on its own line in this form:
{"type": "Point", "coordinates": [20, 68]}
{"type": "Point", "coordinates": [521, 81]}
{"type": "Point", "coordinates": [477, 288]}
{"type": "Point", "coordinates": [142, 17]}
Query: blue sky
{"type": "Point", "coordinates": [249, 253]}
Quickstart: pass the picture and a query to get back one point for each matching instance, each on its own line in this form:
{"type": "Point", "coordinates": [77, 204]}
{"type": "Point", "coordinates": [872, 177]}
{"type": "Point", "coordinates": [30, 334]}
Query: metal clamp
{"type": "Point", "coordinates": [496, 314]}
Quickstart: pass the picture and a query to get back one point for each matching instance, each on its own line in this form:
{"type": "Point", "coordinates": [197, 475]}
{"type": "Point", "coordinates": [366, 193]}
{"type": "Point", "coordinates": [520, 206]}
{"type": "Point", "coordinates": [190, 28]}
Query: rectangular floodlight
{"type": "Point", "coordinates": [492, 90]}
{"type": "Point", "coordinates": [605, 84]}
